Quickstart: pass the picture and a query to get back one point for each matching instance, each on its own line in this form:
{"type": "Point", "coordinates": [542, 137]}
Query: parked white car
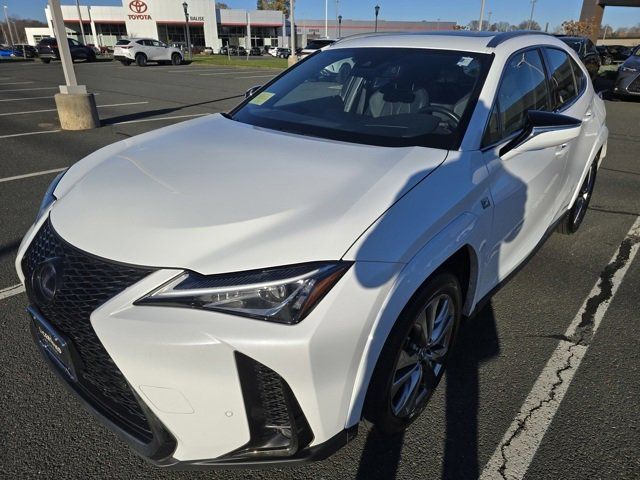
{"type": "Point", "coordinates": [246, 287]}
{"type": "Point", "coordinates": [143, 50]}
{"type": "Point", "coordinates": [314, 45]}
{"type": "Point", "coordinates": [273, 51]}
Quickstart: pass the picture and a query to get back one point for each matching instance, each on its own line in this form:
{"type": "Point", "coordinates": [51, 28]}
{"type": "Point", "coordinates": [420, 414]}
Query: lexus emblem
{"type": "Point", "coordinates": [46, 280]}
{"type": "Point", "coordinates": [137, 6]}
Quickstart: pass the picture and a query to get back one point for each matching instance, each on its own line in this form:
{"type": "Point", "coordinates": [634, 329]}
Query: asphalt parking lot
{"type": "Point", "coordinates": [499, 359]}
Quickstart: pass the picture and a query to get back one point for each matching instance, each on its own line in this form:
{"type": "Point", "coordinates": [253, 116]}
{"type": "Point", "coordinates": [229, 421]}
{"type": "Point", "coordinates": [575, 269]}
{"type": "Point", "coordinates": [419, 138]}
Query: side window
{"type": "Point", "coordinates": [74, 43]}
{"type": "Point", "coordinates": [562, 81]}
{"type": "Point", "coordinates": [492, 134]}
{"type": "Point", "coordinates": [140, 42]}
{"type": "Point", "coordinates": [581, 79]}
{"type": "Point", "coordinates": [156, 43]}
{"type": "Point", "coordinates": [523, 88]}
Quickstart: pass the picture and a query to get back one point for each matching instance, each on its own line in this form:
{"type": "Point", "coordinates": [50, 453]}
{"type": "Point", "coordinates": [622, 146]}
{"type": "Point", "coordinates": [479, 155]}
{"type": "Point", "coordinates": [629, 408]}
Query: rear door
{"type": "Point", "coordinates": [526, 188]}
{"type": "Point", "coordinates": [570, 96]}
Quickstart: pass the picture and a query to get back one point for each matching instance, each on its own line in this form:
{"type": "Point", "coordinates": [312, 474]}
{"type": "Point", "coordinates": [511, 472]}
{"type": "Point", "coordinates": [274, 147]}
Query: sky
{"type": "Point", "coordinates": [460, 11]}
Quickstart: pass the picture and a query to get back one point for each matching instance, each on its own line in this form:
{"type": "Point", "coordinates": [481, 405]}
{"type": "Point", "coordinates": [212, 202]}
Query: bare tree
{"type": "Point", "coordinates": [524, 25]}
{"type": "Point", "coordinates": [281, 5]}
{"type": "Point", "coordinates": [578, 28]}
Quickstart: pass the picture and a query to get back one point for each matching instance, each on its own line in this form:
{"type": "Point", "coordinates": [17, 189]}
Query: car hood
{"type": "Point", "coordinates": [214, 195]}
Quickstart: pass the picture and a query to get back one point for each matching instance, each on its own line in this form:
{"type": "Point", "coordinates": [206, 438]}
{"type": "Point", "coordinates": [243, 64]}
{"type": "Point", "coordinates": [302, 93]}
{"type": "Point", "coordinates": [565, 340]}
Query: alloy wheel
{"type": "Point", "coordinates": [421, 361]}
{"type": "Point", "coordinates": [584, 196]}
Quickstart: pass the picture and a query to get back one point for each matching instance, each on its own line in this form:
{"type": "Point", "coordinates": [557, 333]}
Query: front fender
{"type": "Point", "coordinates": [460, 233]}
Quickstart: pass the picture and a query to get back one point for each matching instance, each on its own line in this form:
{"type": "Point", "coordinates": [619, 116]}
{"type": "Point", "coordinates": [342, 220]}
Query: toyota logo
{"type": "Point", "coordinates": [138, 6]}
{"type": "Point", "coordinates": [46, 279]}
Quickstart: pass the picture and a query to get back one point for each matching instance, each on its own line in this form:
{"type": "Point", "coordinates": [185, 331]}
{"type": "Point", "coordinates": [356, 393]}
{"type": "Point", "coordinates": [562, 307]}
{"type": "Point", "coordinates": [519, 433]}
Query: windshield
{"type": "Point", "coordinates": [376, 96]}
{"type": "Point", "coordinates": [575, 44]}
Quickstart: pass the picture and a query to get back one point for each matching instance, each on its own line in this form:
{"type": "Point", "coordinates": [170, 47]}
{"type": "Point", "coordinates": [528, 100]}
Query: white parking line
{"type": "Point", "coordinates": [197, 70]}
{"type": "Point", "coordinates": [259, 76]}
{"type": "Point", "coordinates": [55, 110]}
{"type": "Point", "coordinates": [31, 98]}
{"type": "Point", "coordinates": [28, 175]}
{"type": "Point", "coordinates": [11, 291]}
{"type": "Point", "coordinates": [512, 457]}
{"type": "Point", "coordinates": [28, 89]}
{"type": "Point", "coordinates": [25, 98]}
{"type": "Point", "coordinates": [15, 83]}
{"type": "Point", "coordinates": [161, 118]}
{"type": "Point", "coordinates": [227, 73]}
{"type": "Point", "coordinates": [29, 133]}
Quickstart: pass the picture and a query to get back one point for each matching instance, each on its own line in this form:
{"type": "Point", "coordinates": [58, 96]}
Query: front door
{"type": "Point", "coordinates": [526, 188]}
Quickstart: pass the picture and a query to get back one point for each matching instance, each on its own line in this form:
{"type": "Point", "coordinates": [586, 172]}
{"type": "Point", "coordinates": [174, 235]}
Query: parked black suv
{"type": "Point", "coordinates": [25, 50]}
{"type": "Point", "coordinates": [48, 50]}
{"type": "Point", "coordinates": [586, 50]}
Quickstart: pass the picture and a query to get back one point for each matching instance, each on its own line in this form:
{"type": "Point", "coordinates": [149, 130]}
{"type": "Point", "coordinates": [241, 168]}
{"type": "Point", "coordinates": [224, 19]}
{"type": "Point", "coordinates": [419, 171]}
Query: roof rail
{"type": "Point", "coordinates": [365, 35]}
{"type": "Point", "coordinates": [504, 36]}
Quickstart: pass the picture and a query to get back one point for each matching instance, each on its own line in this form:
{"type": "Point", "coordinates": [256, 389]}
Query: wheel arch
{"type": "Point", "coordinates": [451, 250]}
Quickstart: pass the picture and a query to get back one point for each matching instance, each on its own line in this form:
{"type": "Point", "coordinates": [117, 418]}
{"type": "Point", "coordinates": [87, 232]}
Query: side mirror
{"type": "Point", "coordinates": [252, 91]}
{"type": "Point", "coordinates": [542, 130]}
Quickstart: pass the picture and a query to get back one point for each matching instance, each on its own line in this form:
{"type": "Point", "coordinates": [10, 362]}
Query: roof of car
{"type": "Point", "coordinates": [451, 40]}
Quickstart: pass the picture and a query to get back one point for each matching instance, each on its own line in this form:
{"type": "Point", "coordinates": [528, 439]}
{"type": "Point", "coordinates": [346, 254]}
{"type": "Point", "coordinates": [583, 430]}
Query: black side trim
{"type": "Point", "coordinates": [162, 444]}
{"type": "Point", "coordinates": [484, 300]}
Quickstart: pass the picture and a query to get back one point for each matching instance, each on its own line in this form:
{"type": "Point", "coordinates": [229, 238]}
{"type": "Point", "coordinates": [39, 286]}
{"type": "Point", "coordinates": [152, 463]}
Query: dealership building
{"type": "Point", "coordinates": [208, 25]}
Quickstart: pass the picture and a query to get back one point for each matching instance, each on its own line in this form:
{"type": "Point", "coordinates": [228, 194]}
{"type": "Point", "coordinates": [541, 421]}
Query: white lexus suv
{"type": "Point", "coordinates": [244, 288]}
{"type": "Point", "coordinates": [143, 50]}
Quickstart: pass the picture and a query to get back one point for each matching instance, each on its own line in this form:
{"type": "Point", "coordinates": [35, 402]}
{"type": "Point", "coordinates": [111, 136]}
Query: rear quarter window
{"type": "Point", "coordinates": [563, 82]}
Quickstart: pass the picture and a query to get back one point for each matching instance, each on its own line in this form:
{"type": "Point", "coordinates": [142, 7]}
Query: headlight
{"type": "Point", "coordinates": [283, 295]}
{"type": "Point", "coordinates": [628, 69]}
{"type": "Point", "coordinates": [48, 198]}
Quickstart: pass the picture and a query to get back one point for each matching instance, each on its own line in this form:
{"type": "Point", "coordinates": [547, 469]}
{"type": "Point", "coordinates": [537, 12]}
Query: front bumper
{"type": "Point", "coordinates": [181, 367]}
{"type": "Point", "coordinates": [627, 83]}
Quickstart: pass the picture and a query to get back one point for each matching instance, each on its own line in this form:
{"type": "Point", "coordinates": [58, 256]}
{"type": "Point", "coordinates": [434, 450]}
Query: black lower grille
{"type": "Point", "coordinates": [87, 282]}
{"type": "Point", "coordinates": [635, 85]}
{"type": "Point", "coordinates": [277, 425]}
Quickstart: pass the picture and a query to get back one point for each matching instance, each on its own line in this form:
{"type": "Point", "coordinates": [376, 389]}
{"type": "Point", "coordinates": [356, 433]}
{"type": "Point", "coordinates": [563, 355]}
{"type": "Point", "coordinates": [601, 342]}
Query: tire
{"type": "Point", "coordinates": [176, 59]}
{"type": "Point", "coordinates": [572, 221]}
{"type": "Point", "coordinates": [91, 57]}
{"type": "Point", "coordinates": [392, 407]}
{"type": "Point", "coordinates": [45, 60]}
{"type": "Point", "coordinates": [126, 63]}
{"type": "Point", "coordinates": [141, 60]}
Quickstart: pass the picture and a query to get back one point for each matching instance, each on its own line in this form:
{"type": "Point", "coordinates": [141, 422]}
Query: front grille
{"type": "Point", "coordinates": [87, 283]}
{"type": "Point", "coordinates": [635, 85]}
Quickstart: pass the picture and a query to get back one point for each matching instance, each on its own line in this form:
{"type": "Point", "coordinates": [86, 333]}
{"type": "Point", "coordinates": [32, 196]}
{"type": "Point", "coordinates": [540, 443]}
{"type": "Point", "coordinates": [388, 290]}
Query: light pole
{"type": "Point", "coordinates": [326, 18]}
{"type": "Point", "coordinates": [377, 9]}
{"type": "Point", "coordinates": [604, 36]}
{"type": "Point", "coordinates": [339, 26]}
{"type": "Point", "coordinates": [84, 40]}
{"type": "Point", "coordinates": [293, 58]}
{"type": "Point", "coordinates": [185, 6]}
{"type": "Point", "coordinates": [533, 6]}
{"type": "Point", "coordinates": [438, 24]}
{"type": "Point", "coordinates": [489, 20]}
{"type": "Point", "coordinates": [6, 17]}
{"type": "Point", "coordinates": [481, 16]}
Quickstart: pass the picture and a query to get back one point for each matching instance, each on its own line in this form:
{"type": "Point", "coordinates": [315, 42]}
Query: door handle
{"type": "Point", "coordinates": [587, 116]}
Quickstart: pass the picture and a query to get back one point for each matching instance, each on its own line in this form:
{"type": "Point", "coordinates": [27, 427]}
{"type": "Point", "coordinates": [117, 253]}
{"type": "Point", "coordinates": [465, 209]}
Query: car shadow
{"type": "Point", "coordinates": [164, 111]}
{"type": "Point", "coordinates": [477, 343]}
